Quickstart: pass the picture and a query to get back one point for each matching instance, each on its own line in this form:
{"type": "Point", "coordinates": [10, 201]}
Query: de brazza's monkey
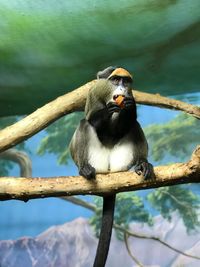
{"type": "Point", "coordinates": [109, 139]}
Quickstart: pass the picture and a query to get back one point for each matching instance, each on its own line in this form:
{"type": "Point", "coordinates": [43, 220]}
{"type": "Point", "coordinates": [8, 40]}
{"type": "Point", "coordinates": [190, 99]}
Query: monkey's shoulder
{"type": "Point", "coordinates": [102, 89]}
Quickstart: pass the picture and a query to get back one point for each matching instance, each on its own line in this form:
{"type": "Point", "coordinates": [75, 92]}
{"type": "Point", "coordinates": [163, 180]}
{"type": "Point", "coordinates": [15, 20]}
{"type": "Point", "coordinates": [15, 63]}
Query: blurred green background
{"type": "Point", "coordinates": [50, 47]}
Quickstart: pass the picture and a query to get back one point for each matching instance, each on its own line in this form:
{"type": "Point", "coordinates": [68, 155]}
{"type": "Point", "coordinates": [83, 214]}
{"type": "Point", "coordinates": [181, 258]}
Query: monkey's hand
{"type": "Point", "coordinates": [129, 103]}
{"type": "Point", "coordinates": [145, 168]}
{"type": "Point", "coordinates": [113, 107]}
{"type": "Point", "coordinates": [88, 172]}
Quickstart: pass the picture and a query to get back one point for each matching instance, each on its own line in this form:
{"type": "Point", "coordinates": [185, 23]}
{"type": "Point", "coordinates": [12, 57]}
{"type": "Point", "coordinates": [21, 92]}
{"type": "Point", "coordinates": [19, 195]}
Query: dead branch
{"type": "Point", "coordinates": [30, 188]}
{"type": "Point", "coordinates": [75, 101]}
{"type": "Point", "coordinates": [126, 236]}
{"type": "Point", "coordinates": [21, 158]}
{"type": "Point", "coordinates": [136, 235]}
{"type": "Point", "coordinates": [80, 202]}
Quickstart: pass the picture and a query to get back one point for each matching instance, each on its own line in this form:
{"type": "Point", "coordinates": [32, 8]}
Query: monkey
{"type": "Point", "coordinates": [110, 139]}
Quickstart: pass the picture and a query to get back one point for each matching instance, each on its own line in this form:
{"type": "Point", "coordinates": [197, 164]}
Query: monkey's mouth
{"type": "Point", "coordinates": [119, 100]}
{"type": "Point", "coordinates": [116, 96]}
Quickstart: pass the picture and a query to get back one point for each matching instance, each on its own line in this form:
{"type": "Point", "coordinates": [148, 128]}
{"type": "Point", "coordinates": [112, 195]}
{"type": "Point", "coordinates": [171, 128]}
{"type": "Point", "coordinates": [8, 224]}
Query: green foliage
{"type": "Point", "coordinates": [177, 138]}
{"type": "Point", "coordinates": [177, 198]}
{"type": "Point", "coordinates": [129, 207]}
{"type": "Point", "coordinates": [174, 141]}
{"type": "Point", "coordinates": [58, 137]}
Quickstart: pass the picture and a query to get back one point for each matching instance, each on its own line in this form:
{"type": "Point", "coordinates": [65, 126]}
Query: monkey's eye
{"type": "Point", "coordinates": [114, 79]}
{"type": "Point", "coordinates": [127, 81]}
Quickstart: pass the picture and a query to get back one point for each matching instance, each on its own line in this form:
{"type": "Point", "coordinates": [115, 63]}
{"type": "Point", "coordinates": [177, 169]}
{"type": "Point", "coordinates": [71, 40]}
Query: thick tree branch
{"type": "Point", "coordinates": [75, 101]}
{"type": "Point", "coordinates": [29, 188]}
{"type": "Point", "coordinates": [165, 102]}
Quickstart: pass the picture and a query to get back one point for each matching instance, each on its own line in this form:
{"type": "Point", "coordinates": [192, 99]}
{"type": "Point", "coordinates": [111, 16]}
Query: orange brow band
{"type": "Point", "coordinates": [121, 73]}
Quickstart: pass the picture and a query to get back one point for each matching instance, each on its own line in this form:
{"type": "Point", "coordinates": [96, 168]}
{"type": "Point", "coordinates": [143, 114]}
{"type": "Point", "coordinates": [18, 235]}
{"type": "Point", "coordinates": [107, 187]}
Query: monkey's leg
{"type": "Point", "coordinates": [79, 150]}
{"type": "Point", "coordinates": [87, 171]}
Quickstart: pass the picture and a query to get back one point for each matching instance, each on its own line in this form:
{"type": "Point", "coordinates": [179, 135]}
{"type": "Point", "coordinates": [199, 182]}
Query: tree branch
{"type": "Point", "coordinates": [21, 158]}
{"type": "Point", "coordinates": [136, 235]}
{"type": "Point", "coordinates": [75, 101]}
{"type": "Point", "coordinates": [165, 102]}
{"type": "Point", "coordinates": [130, 252]}
{"type": "Point", "coordinates": [30, 188]}
{"type": "Point", "coordinates": [80, 202]}
{"type": "Point", "coordinates": [177, 201]}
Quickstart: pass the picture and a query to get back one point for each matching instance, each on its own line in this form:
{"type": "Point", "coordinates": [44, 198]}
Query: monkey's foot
{"type": "Point", "coordinates": [88, 171]}
{"type": "Point", "coordinates": [144, 168]}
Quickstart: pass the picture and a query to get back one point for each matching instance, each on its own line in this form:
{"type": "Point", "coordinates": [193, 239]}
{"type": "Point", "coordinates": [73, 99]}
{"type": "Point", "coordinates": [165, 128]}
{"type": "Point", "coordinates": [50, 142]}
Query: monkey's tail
{"type": "Point", "coordinates": [106, 230]}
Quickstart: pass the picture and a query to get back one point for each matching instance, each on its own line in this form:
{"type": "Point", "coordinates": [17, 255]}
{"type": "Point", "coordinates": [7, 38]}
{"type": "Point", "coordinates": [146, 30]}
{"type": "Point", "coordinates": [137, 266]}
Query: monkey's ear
{"type": "Point", "coordinates": [104, 74]}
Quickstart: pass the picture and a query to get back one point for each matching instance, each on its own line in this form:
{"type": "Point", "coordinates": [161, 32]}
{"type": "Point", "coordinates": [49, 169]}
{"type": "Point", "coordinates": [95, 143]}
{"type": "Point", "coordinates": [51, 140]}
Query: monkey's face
{"type": "Point", "coordinates": [121, 86]}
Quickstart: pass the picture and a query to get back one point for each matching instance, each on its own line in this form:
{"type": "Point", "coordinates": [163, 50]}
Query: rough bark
{"type": "Point", "coordinates": [30, 188]}
{"type": "Point", "coordinates": [75, 101]}
{"type": "Point", "coordinates": [165, 102]}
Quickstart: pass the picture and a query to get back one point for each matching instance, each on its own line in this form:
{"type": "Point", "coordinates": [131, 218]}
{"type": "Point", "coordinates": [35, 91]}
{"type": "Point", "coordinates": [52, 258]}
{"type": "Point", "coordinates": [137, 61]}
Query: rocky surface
{"type": "Point", "coordinates": [73, 245]}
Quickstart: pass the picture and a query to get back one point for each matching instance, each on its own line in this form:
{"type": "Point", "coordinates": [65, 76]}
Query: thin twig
{"type": "Point", "coordinates": [156, 239]}
{"type": "Point", "coordinates": [130, 252]}
{"type": "Point", "coordinates": [181, 204]}
{"type": "Point", "coordinates": [80, 202]}
{"type": "Point", "coordinates": [21, 158]}
{"type": "Point", "coordinates": [178, 202]}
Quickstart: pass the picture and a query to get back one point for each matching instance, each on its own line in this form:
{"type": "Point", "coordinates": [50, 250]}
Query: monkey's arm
{"type": "Point", "coordinates": [141, 165]}
{"type": "Point", "coordinates": [101, 118]}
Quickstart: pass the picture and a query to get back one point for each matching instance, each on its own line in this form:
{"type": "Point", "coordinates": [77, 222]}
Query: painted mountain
{"type": "Point", "coordinates": [73, 244]}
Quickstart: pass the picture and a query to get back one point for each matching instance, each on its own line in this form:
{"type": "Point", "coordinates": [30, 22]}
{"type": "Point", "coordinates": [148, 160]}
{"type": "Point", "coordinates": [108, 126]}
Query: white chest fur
{"type": "Point", "coordinates": [105, 160]}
